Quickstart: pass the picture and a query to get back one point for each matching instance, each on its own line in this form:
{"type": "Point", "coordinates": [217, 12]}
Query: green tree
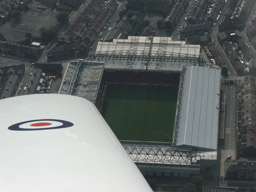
{"type": "Point", "coordinates": [136, 5]}
{"type": "Point", "coordinates": [167, 25]}
{"type": "Point", "coordinates": [191, 21]}
{"type": "Point", "coordinates": [62, 18]}
{"type": "Point", "coordinates": [122, 13]}
{"type": "Point", "coordinates": [15, 16]}
{"type": "Point", "coordinates": [28, 36]}
{"type": "Point", "coordinates": [159, 22]}
{"type": "Point", "coordinates": [23, 7]}
{"type": "Point", "coordinates": [139, 26]}
{"type": "Point", "coordinates": [48, 34]}
{"type": "Point", "coordinates": [151, 5]}
{"type": "Point", "coordinates": [198, 181]}
{"type": "Point", "coordinates": [2, 38]}
{"type": "Point", "coordinates": [27, 40]}
{"type": "Point", "coordinates": [189, 187]}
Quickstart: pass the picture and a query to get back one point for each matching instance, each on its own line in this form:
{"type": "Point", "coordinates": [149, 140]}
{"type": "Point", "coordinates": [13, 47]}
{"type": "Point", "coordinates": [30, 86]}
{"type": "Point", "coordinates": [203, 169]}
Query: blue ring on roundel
{"type": "Point", "coordinates": [65, 124]}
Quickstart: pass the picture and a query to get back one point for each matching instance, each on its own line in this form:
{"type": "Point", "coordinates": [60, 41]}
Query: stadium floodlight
{"type": "Point", "coordinates": [61, 143]}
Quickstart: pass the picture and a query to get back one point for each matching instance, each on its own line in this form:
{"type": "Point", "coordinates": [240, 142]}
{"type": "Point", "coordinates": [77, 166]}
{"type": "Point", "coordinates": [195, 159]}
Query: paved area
{"type": "Point", "coordinates": [230, 133]}
{"type": "Point", "coordinates": [55, 86]}
{"type": "Point", "coordinates": [230, 128]}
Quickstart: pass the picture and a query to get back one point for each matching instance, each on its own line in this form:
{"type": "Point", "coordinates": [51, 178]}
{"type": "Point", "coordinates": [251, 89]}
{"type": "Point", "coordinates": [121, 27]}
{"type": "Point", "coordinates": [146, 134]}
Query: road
{"type": "Point", "coordinates": [175, 35]}
{"type": "Point", "coordinates": [230, 127]}
{"type": "Point", "coordinates": [230, 121]}
{"type": "Point", "coordinates": [214, 36]}
{"type": "Point", "coordinates": [112, 23]}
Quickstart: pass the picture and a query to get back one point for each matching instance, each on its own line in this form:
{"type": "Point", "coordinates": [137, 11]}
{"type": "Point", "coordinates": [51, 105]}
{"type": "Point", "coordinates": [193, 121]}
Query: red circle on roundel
{"type": "Point", "coordinates": [42, 124]}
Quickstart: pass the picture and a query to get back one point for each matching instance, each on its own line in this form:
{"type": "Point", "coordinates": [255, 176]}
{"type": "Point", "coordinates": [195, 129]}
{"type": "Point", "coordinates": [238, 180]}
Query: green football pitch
{"type": "Point", "coordinates": [141, 112]}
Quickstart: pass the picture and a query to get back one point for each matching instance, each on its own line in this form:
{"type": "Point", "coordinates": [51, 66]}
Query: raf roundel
{"type": "Point", "coordinates": [40, 124]}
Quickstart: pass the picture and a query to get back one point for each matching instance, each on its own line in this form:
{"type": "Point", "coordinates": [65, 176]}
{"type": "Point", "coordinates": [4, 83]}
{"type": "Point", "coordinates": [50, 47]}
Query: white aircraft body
{"type": "Point", "coordinates": [60, 143]}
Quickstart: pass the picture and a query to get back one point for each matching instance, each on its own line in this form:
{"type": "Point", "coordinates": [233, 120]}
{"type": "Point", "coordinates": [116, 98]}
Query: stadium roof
{"type": "Point", "coordinates": [198, 108]}
{"type": "Point", "coordinates": [141, 45]}
{"type": "Point", "coordinates": [82, 79]}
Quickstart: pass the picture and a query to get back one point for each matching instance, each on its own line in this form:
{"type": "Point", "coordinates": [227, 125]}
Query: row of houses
{"type": "Point", "coordinates": [247, 120]}
{"type": "Point", "coordinates": [62, 4]}
{"type": "Point", "coordinates": [238, 14]}
{"type": "Point", "coordinates": [10, 78]}
{"type": "Point", "coordinates": [78, 38]}
{"type": "Point", "coordinates": [242, 171]}
{"type": "Point", "coordinates": [22, 51]}
{"type": "Point", "coordinates": [176, 13]}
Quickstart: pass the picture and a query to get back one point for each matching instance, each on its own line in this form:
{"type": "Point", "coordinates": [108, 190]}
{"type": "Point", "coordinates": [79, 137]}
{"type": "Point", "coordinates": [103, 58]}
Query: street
{"type": "Point", "coordinates": [112, 23]}
{"type": "Point", "coordinates": [228, 149]}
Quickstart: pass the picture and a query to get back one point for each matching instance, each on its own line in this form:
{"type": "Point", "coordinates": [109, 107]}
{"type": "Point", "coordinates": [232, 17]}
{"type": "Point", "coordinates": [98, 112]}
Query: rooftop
{"type": "Point", "coordinates": [82, 79]}
{"type": "Point", "coordinates": [147, 53]}
{"type": "Point", "coordinates": [198, 108]}
{"type": "Point", "coordinates": [142, 45]}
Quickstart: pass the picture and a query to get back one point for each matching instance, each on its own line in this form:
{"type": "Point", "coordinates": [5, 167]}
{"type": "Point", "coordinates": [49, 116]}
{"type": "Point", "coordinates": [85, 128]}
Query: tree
{"type": "Point", "coordinates": [2, 38]}
{"type": "Point", "coordinates": [48, 34]}
{"type": "Point", "coordinates": [23, 7]}
{"type": "Point", "coordinates": [15, 16]}
{"type": "Point", "coordinates": [122, 13]}
{"type": "Point", "coordinates": [167, 25]}
{"type": "Point", "coordinates": [28, 36]}
{"type": "Point", "coordinates": [159, 22]}
{"type": "Point", "coordinates": [189, 187]}
{"type": "Point", "coordinates": [27, 40]}
{"type": "Point", "coordinates": [136, 5]}
{"type": "Point", "coordinates": [191, 21]}
{"type": "Point", "coordinates": [139, 26]}
{"type": "Point", "coordinates": [151, 5]}
{"type": "Point", "coordinates": [62, 18]}
{"type": "Point", "coordinates": [198, 181]}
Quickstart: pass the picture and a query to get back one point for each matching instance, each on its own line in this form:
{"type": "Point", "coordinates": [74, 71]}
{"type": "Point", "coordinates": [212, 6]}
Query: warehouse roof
{"type": "Point", "coordinates": [198, 108]}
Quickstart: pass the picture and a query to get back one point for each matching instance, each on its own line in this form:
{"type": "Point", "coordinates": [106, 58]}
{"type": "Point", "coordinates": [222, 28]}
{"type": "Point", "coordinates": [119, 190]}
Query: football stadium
{"type": "Point", "coordinates": [139, 106]}
{"type": "Point", "coordinates": [158, 97]}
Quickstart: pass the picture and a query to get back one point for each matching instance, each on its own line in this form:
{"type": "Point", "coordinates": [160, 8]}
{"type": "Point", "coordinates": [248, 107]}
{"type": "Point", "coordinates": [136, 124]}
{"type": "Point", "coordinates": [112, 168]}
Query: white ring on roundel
{"type": "Point", "coordinates": [28, 125]}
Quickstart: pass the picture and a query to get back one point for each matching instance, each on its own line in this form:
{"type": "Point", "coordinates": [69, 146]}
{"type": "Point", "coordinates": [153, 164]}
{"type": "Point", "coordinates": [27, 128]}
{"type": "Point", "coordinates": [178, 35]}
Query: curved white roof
{"type": "Point", "coordinates": [60, 143]}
